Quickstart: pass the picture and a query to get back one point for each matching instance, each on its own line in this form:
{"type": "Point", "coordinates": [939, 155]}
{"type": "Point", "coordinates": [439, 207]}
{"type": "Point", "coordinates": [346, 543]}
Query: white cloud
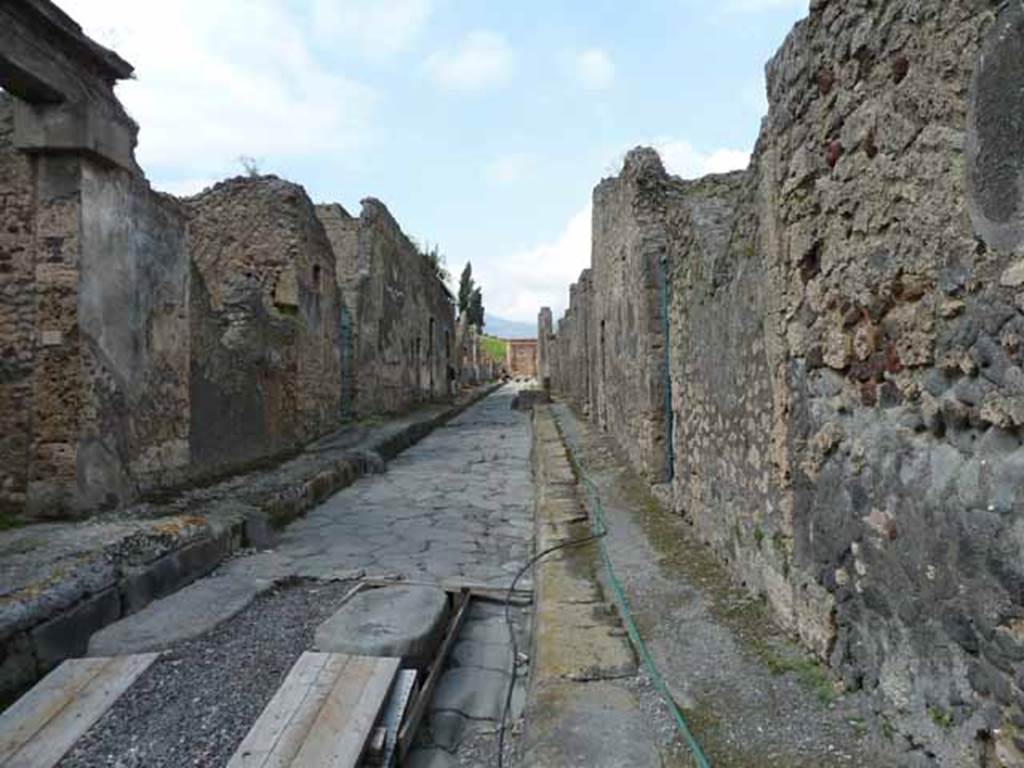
{"type": "Point", "coordinates": [187, 187]}
{"type": "Point", "coordinates": [755, 6]}
{"type": "Point", "coordinates": [375, 28]}
{"type": "Point", "coordinates": [594, 69]}
{"type": "Point", "coordinates": [481, 59]}
{"type": "Point", "coordinates": [508, 169]}
{"type": "Point", "coordinates": [212, 84]}
{"type": "Point", "coordinates": [540, 276]}
{"type": "Point", "coordinates": [683, 159]}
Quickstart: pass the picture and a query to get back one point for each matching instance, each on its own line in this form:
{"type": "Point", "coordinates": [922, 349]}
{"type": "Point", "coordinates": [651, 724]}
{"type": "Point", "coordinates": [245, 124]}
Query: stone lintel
{"type": "Point", "coordinates": [63, 82]}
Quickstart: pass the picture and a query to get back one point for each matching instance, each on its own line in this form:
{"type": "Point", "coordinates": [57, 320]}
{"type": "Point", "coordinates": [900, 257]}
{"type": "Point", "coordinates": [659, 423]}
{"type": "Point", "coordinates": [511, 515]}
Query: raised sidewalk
{"type": "Point", "coordinates": [62, 582]}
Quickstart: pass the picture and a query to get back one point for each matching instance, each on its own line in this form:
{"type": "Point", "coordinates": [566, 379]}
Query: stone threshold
{"type": "Point", "coordinates": [62, 582]}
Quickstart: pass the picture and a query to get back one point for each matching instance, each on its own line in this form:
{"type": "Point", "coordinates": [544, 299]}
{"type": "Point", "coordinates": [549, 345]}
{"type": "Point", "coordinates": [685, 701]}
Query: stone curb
{"type": "Point", "coordinates": [578, 711]}
{"type": "Point", "coordinates": [57, 620]}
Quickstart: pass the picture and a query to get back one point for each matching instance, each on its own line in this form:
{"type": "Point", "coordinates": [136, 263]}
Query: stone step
{"type": "Point", "coordinates": [401, 621]}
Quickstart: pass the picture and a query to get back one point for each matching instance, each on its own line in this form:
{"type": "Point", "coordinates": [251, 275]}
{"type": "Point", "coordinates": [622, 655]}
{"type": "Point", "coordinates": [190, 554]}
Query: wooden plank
{"type": "Point", "coordinates": [73, 711]}
{"type": "Point", "coordinates": [297, 731]}
{"type": "Point", "coordinates": [29, 714]}
{"type": "Point", "coordinates": [340, 732]}
{"type": "Point", "coordinates": [321, 715]}
{"type": "Point", "coordinates": [520, 597]}
{"type": "Point", "coordinates": [419, 706]}
{"type": "Point", "coordinates": [282, 718]}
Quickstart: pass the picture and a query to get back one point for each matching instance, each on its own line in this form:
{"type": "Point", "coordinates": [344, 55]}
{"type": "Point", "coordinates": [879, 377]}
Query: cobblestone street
{"type": "Point", "coordinates": [455, 508]}
{"type": "Point", "coordinates": [457, 505]}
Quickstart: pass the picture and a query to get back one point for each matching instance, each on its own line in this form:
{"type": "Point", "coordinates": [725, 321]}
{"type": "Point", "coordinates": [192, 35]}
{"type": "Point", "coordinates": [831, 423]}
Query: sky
{"type": "Point", "coordinates": [482, 124]}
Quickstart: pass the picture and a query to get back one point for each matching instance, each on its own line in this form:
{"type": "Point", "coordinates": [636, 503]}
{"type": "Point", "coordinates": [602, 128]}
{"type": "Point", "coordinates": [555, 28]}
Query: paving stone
{"type": "Point", "coordinates": [405, 621]}
{"type": "Point", "coordinates": [492, 630]}
{"type": "Point", "coordinates": [468, 653]}
{"type": "Point", "coordinates": [604, 728]}
{"type": "Point", "coordinates": [430, 758]}
{"type": "Point", "coordinates": [448, 728]}
{"type": "Point", "coordinates": [476, 693]}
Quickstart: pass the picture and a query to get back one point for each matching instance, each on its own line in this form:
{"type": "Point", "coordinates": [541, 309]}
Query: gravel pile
{"type": "Point", "coordinates": [194, 706]}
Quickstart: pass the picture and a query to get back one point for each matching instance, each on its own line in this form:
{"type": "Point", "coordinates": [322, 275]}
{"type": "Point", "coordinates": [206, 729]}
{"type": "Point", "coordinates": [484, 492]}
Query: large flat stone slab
{"type": "Point", "coordinates": [477, 693]}
{"type": "Point", "coordinates": [402, 621]}
{"type": "Point", "coordinates": [186, 614]}
{"type": "Point", "coordinates": [592, 725]}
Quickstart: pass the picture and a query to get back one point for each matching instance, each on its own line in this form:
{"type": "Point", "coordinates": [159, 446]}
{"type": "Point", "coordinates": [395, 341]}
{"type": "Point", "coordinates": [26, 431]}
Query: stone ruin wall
{"type": "Point", "coordinates": [545, 338]}
{"type": "Point", "coordinates": [403, 323]}
{"type": "Point", "coordinates": [17, 314]}
{"type": "Point", "coordinates": [264, 322]}
{"type": "Point", "coordinates": [98, 367]}
{"type": "Point", "coordinates": [628, 313]}
{"type": "Point", "coordinates": [845, 344]}
{"type": "Point", "coordinates": [147, 342]}
{"type": "Point", "coordinates": [474, 364]}
{"type": "Point", "coordinates": [405, 319]}
{"type": "Point", "coordinates": [571, 359]}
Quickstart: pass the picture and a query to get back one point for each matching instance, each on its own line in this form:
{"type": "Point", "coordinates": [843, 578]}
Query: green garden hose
{"type": "Point", "coordinates": [600, 531]}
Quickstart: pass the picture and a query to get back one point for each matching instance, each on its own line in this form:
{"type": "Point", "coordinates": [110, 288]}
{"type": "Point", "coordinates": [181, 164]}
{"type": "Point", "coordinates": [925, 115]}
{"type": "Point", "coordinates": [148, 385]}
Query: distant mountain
{"type": "Point", "coordinates": [508, 329]}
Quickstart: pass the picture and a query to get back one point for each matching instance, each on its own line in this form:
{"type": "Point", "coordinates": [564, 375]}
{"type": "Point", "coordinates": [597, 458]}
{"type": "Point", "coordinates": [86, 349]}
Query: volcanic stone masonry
{"type": "Point", "coordinates": [845, 345]}
{"type": "Point", "coordinates": [402, 317]}
{"type": "Point", "coordinates": [148, 342]}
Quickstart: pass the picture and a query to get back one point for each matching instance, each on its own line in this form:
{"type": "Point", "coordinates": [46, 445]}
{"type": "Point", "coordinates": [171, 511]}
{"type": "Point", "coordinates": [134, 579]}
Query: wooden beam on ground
{"type": "Point", "coordinates": [321, 716]}
{"type": "Point", "coordinates": [40, 728]}
{"type": "Point", "coordinates": [426, 692]}
{"type": "Point", "coordinates": [476, 590]}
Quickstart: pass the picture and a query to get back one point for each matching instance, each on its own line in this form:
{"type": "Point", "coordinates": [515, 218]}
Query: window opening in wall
{"type": "Point", "coordinates": [316, 278]}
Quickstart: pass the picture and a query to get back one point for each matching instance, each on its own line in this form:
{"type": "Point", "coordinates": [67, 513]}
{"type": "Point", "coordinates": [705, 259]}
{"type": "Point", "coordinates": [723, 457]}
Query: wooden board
{"type": "Point", "coordinates": [426, 692]}
{"type": "Point", "coordinates": [39, 729]}
{"type": "Point", "coordinates": [322, 714]}
{"type": "Point", "coordinates": [477, 590]}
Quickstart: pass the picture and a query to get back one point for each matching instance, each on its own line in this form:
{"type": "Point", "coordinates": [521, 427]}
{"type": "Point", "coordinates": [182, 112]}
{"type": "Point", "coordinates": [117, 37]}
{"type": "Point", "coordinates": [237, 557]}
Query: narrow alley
{"type": "Point", "coordinates": [457, 510]}
{"type": "Point", "coordinates": [682, 430]}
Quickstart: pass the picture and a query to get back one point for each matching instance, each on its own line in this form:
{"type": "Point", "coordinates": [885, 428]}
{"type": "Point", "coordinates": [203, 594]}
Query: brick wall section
{"type": "Point", "coordinates": [521, 357]}
{"type": "Point", "coordinates": [845, 343]}
{"type": "Point", "coordinates": [264, 322]}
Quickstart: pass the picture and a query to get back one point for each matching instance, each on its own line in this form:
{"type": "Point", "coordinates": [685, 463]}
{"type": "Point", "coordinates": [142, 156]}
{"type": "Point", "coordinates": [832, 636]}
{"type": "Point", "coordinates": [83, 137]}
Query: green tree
{"type": "Point", "coordinates": [476, 308]}
{"type": "Point", "coordinates": [466, 288]}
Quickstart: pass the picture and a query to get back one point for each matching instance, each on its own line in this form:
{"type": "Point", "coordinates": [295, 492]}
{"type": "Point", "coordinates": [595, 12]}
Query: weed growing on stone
{"type": "Point", "coordinates": [941, 717]}
{"type": "Point", "coordinates": [888, 732]}
{"type": "Point", "coordinates": [809, 672]}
